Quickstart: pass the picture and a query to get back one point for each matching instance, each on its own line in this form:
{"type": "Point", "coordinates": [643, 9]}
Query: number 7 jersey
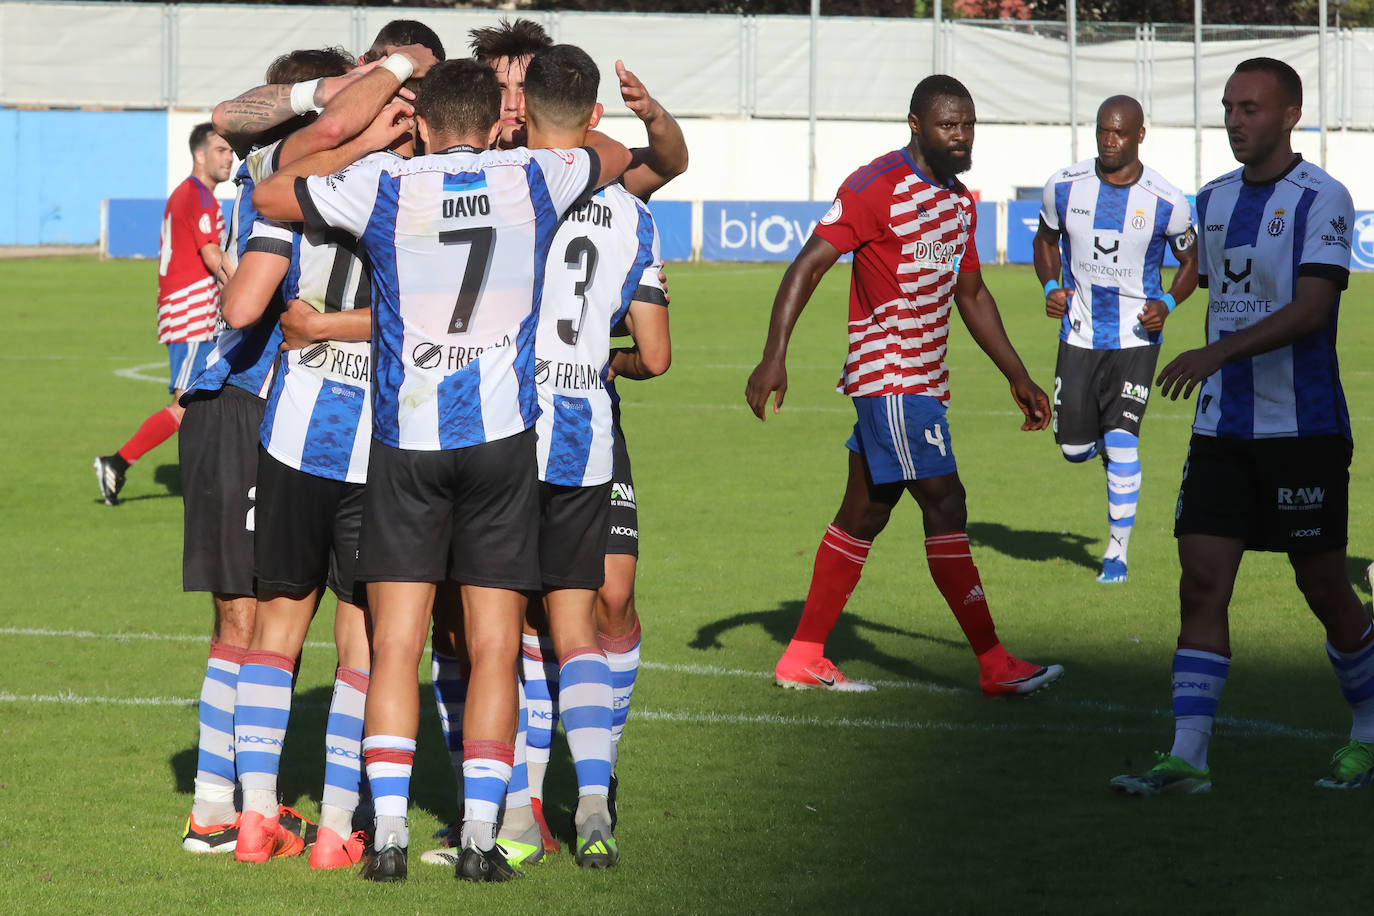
{"type": "Point", "coordinates": [605, 256]}
{"type": "Point", "coordinates": [457, 242]}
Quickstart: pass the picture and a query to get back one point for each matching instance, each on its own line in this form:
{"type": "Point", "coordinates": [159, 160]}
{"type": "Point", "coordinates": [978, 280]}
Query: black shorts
{"type": "Point", "coordinates": [1098, 390]}
{"type": "Point", "coordinates": [623, 520]}
{"type": "Point", "coordinates": [466, 514]}
{"type": "Point", "coordinates": [1290, 494]}
{"type": "Point", "coordinates": [218, 448]}
{"type": "Point", "coordinates": [572, 535]}
{"type": "Point", "coordinates": [307, 533]}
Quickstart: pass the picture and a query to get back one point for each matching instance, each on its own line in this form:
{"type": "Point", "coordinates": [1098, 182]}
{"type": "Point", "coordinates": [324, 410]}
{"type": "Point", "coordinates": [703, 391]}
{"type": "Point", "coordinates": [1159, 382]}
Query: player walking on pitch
{"type": "Point", "coordinates": [1268, 463]}
{"type": "Point", "coordinates": [190, 270]}
{"type": "Point", "coordinates": [910, 224]}
{"type": "Point", "coordinates": [1111, 217]}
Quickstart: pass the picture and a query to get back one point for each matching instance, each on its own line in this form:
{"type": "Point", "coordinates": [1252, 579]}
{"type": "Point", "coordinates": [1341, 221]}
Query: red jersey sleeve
{"type": "Point", "coordinates": [969, 262]}
{"type": "Point", "coordinates": [851, 221]}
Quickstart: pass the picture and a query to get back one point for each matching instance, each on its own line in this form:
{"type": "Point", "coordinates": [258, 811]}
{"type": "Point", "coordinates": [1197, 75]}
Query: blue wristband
{"type": "Point", "coordinates": [1051, 286]}
{"type": "Point", "coordinates": [1169, 302]}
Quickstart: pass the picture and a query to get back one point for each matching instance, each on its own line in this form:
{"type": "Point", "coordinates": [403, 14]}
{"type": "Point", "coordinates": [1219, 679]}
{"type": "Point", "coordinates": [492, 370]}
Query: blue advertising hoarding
{"type": "Point", "coordinates": [674, 221]}
{"type": "Point", "coordinates": [774, 230]}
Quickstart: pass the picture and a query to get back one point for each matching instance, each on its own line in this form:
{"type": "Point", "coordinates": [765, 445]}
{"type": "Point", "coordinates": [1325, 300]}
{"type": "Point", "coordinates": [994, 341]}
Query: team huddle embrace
{"type": "Point", "coordinates": [411, 401]}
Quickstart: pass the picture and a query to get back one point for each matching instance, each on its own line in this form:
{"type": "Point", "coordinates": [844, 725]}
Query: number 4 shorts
{"type": "Point", "coordinates": [902, 437]}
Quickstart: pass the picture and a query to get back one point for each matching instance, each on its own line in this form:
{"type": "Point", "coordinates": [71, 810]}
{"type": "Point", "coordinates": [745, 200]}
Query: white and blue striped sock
{"type": "Point", "coordinates": [1197, 681]}
{"type": "Point", "coordinates": [622, 654]}
{"type": "Point", "coordinates": [261, 714]}
{"type": "Point", "coordinates": [343, 750]}
{"type": "Point", "coordinates": [450, 696]}
{"type": "Point", "coordinates": [1355, 672]}
{"type": "Point", "coordinates": [487, 769]}
{"type": "Point", "coordinates": [389, 760]}
{"type": "Point", "coordinates": [213, 802]}
{"type": "Point", "coordinates": [1123, 490]}
{"type": "Point", "coordinates": [584, 698]}
{"type": "Point", "coordinates": [539, 665]}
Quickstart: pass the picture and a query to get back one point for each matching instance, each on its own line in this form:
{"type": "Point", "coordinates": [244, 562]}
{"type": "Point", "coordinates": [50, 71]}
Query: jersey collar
{"type": "Point", "coordinates": [460, 148]}
{"type": "Point", "coordinates": [1297, 159]}
{"type": "Point", "coordinates": [949, 186]}
{"type": "Point", "coordinates": [1097, 167]}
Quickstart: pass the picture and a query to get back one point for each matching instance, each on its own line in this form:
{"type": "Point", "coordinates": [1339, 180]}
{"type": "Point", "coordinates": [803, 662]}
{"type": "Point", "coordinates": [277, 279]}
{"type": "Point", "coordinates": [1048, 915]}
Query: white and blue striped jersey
{"type": "Point", "coordinates": [456, 242]}
{"type": "Point", "coordinates": [242, 357]}
{"type": "Point", "coordinates": [318, 418]}
{"type": "Point", "coordinates": [1112, 242]}
{"type": "Point", "coordinates": [1257, 240]}
{"type": "Point", "coordinates": [604, 256]}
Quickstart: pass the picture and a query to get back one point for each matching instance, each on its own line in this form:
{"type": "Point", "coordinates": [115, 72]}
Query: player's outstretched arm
{"type": "Point", "coordinates": [798, 283]}
{"type": "Point", "coordinates": [1309, 311]}
{"type": "Point", "coordinates": [984, 323]}
{"type": "Point", "coordinates": [248, 294]}
{"type": "Point", "coordinates": [357, 105]}
{"type": "Point", "coordinates": [665, 157]}
{"type": "Point", "coordinates": [652, 353]}
{"type": "Point", "coordinates": [615, 158]}
{"type": "Point", "coordinates": [275, 198]}
{"type": "Point", "coordinates": [1045, 254]}
{"type": "Point", "coordinates": [301, 325]}
{"type": "Point", "coordinates": [242, 120]}
{"type": "Point", "coordinates": [1155, 312]}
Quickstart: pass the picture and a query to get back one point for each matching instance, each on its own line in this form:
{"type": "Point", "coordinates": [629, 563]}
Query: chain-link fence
{"type": "Point", "coordinates": [192, 56]}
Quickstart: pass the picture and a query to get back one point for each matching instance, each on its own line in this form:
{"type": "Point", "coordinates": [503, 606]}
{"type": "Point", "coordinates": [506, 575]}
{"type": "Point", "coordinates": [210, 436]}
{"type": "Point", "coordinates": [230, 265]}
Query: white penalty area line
{"type": "Point", "coordinates": [1267, 730]}
{"type": "Point", "coordinates": [1237, 725]}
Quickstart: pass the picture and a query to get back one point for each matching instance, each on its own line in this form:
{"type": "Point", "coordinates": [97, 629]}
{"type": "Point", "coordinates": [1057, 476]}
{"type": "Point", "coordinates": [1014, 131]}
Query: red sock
{"type": "Point", "coordinates": [839, 561]}
{"type": "Point", "coordinates": [155, 430]}
{"type": "Point", "coordinates": [951, 566]}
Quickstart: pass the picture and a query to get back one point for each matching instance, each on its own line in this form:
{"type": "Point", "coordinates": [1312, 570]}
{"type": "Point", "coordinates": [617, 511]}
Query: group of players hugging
{"type": "Point", "coordinates": [410, 400]}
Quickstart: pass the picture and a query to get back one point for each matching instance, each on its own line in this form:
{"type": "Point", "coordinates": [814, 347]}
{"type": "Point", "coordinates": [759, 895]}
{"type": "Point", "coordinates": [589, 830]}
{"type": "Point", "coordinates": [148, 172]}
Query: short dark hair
{"type": "Point", "coordinates": [308, 64]}
{"type": "Point", "coordinates": [200, 136]}
{"type": "Point", "coordinates": [401, 32]}
{"type": "Point", "coordinates": [517, 39]}
{"type": "Point", "coordinates": [936, 86]}
{"type": "Point", "coordinates": [459, 97]}
{"type": "Point", "coordinates": [1288, 78]}
{"type": "Point", "coordinates": [560, 86]}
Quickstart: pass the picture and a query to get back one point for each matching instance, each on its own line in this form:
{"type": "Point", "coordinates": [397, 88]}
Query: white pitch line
{"type": "Point", "coordinates": [69, 698]}
{"type": "Point", "coordinates": [1244, 725]}
{"type": "Point", "coordinates": [137, 373]}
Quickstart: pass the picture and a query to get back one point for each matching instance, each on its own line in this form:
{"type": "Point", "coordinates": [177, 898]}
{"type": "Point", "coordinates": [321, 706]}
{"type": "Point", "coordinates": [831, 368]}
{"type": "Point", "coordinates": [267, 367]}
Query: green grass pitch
{"type": "Point", "coordinates": [736, 796]}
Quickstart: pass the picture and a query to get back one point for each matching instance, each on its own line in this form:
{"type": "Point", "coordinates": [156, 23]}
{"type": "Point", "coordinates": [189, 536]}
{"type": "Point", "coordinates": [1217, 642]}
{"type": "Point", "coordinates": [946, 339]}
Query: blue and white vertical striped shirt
{"type": "Point", "coordinates": [1257, 240]}
{"type": "Point", "coordinates": [457, 243]}
{"type": "Point", "coordinates": [604, 256]}
{"type": "Point", "coordinates": [1112, 242]}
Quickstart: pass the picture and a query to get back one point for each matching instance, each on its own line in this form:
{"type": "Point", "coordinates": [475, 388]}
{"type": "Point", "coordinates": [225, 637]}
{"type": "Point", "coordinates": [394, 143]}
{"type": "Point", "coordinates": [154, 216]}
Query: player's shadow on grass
{"type": "Point", "coordinates": [1033, 545]}
{"type": "Point", "coordinates": [850, 640]}
{"type": "Point", "coordinates": [1357, 569]}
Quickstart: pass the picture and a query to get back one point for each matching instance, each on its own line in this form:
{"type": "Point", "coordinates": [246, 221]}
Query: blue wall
{"type": "Point", "coordinates": [64, 163]}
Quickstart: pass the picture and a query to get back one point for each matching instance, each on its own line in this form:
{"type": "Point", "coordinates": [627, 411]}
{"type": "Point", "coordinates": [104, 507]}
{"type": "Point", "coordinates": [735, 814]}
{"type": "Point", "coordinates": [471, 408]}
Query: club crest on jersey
{"type": "Point", "coordinates": [1138, 221]}
{"type": "Point", "coordinates": [832, 214]}
{"type": "Point", "coordinates": [1276, 225]}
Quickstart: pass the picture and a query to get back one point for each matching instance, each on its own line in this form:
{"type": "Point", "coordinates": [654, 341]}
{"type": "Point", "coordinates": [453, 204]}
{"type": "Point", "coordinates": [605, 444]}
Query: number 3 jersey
{"type": "Point", "coordinates": [605, 255]}
{"type": "Point", "coordinates": [318, 417]}
{"type": "Point", "coordinates": [1257, 241]}
{"type": "Point", "coordinates": [456, 242]}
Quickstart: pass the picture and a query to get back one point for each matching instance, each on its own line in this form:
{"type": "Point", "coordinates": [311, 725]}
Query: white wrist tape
{"type": "Point", "coordinates": [303, 96]}
{"type": "Point", "coordinates": [399, 65]}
